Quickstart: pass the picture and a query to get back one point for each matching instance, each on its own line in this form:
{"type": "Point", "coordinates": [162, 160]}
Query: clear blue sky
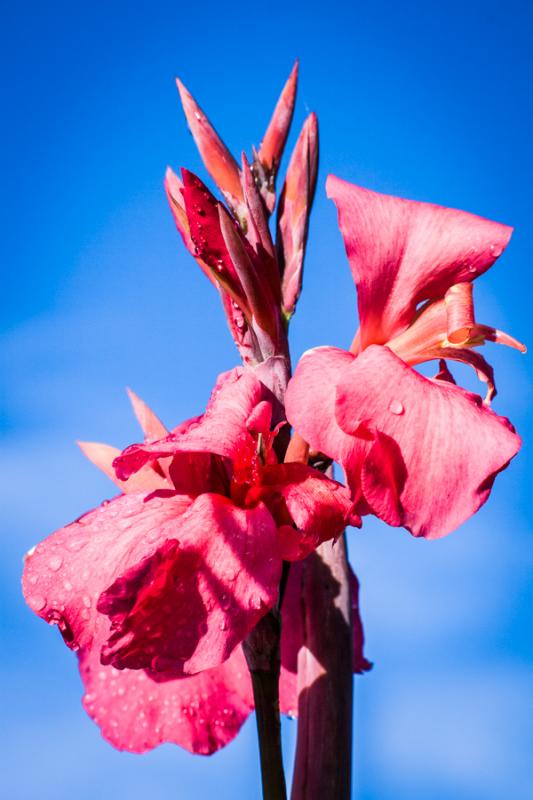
{"type": "Point", "coordinates": [430, 101]}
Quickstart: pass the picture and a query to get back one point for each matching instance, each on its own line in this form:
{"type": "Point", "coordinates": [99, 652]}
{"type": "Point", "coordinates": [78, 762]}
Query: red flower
{"type": "Point", "coordinates": [418, 452]}
{"type": "Point", "coordinates": [165, 581]}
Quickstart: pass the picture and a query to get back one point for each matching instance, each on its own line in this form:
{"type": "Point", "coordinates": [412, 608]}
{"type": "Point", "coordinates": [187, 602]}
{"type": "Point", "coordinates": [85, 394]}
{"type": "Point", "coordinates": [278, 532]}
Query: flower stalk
{"type": "Point", "coordinates": [262, 652]}
{"type": "Point", "coordinates": [324, 745]}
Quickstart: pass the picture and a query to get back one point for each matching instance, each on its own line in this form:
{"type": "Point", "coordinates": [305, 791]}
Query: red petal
{"type": "Point", "coordinates": [221, 430]}
{"type": "Point", "coordinates": [203, 217]}
{"type": "Point", "coordinates": [65, 575]}
{"type": "Point", "coordinates": [402, 252]}
{"type": "Point", "coordinates": [445, 447]}
{"type": "Point", "coordinates": [202, 713]}
{"type": "Point", "coordinates": [174, 189]}
{"type": "Point", "coordinates": [186, 607]}
{"type": "Point", "coordinates": [318, 506]}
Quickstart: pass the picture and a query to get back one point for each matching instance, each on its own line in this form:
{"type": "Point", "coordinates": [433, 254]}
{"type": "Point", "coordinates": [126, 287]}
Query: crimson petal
{"type": "Point", "coordinates": [187, 606]}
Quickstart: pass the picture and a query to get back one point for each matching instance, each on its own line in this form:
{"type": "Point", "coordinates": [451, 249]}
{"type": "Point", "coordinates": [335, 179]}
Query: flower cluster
{"type": "Point", "coordinates": [158, 588]}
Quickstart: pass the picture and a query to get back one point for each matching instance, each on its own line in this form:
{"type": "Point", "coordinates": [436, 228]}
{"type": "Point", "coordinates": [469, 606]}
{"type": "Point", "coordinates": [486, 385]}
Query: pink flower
{"type": "Point", "coordinates": [417, 452]}
{"type": "Point", "coordinates": [157, 588]}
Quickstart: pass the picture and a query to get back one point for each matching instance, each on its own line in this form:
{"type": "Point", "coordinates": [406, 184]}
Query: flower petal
{"type": "Point", "coordinates": [103, 455]}
{"type": "Point", "coordinates": [187, 606]}
{"type": "Point", "coordinates": [403, 252]}
{"type": "Point", "coordinates": [318, 506]}
{"type": "Point", "coordinates": [151, 425]}
{"type": "Point", "coordinates": [221, 430]}
{"type": "Point", "coordinates": [65, 575]}
{"type": "Point", "coordinates": [201, 713]}
{"type": "Point", "coordinates": [444, 447]}
{"type": "Point", "coordinates": [310, 401]}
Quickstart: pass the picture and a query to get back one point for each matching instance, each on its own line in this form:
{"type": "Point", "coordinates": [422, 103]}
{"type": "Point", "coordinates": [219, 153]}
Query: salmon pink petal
{"type": "Point", "coordinates": [187, 606]}
{"type": "Point", "coordinates": [427, 339]}
{"type": "Point", "coordinates": [403, 252]}
{"type": "Point", "coordinates": [151, 425]}
{"type": "Point", "coordinates": [221, 430]}
{"type": "Point", "coordinates": [65, 575]}
{"type": "Point", "coordinates": [135, 712]}
{"type": "Point", "coordinates": [443, 446]}
{"type": "Point", "coordinates": [310, 402]}
{"type": "Point", "coordinates": [103, 455]}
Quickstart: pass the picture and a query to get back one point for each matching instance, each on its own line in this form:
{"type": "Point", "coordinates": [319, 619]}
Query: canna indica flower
{"type": "Point", "coordinates": [157, 588]}
{"type": "Point", "coordinates": [417, 452]}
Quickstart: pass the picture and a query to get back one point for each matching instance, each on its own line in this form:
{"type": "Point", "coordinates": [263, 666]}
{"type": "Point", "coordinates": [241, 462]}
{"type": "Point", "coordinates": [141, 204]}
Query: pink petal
{"type": "Point", "coordinates": [151, 425]}
{"type": "Point", "coordinates": [103, 455]}
{"type": "Point", "coordinates": [221, 430]}
{"type": "Point", "coordinates": [310, 401]}
{"type": "Point", "coordinates": [188, 605]}
{"type": "Point", "coordinates": [202, 713]}
{"type": "Point", "coordinates": [418, 452]}
{"type": "Point", "coordinates": [427, 338]}
{"type": "Point", "coordinates": [403, 252]}
{"type": "Point", "coordinates": [66, 573]}
{"type": "Point", "coordinates": [445, 448]}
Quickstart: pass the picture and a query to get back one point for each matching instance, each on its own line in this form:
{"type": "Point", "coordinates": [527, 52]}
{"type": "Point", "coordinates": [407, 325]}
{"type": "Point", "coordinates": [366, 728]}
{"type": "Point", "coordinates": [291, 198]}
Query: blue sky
{"type": "Point", "coordinates": [428, 101]}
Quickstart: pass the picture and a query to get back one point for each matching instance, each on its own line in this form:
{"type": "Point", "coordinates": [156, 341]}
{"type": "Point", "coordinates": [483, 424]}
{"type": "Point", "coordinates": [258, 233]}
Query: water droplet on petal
{"type": "Point", "coordinates": [255, 602]}
{"type": "Point", "coordinates": [75, 544]}
{"type": "Point", "coordinates": [55, 563]}
{"type": "Point", "coordinates": [496, 250]}
{"type": "Point", "coordinates": [37, 602]}
{"type": "Point", "coordinates": [396, 407]}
